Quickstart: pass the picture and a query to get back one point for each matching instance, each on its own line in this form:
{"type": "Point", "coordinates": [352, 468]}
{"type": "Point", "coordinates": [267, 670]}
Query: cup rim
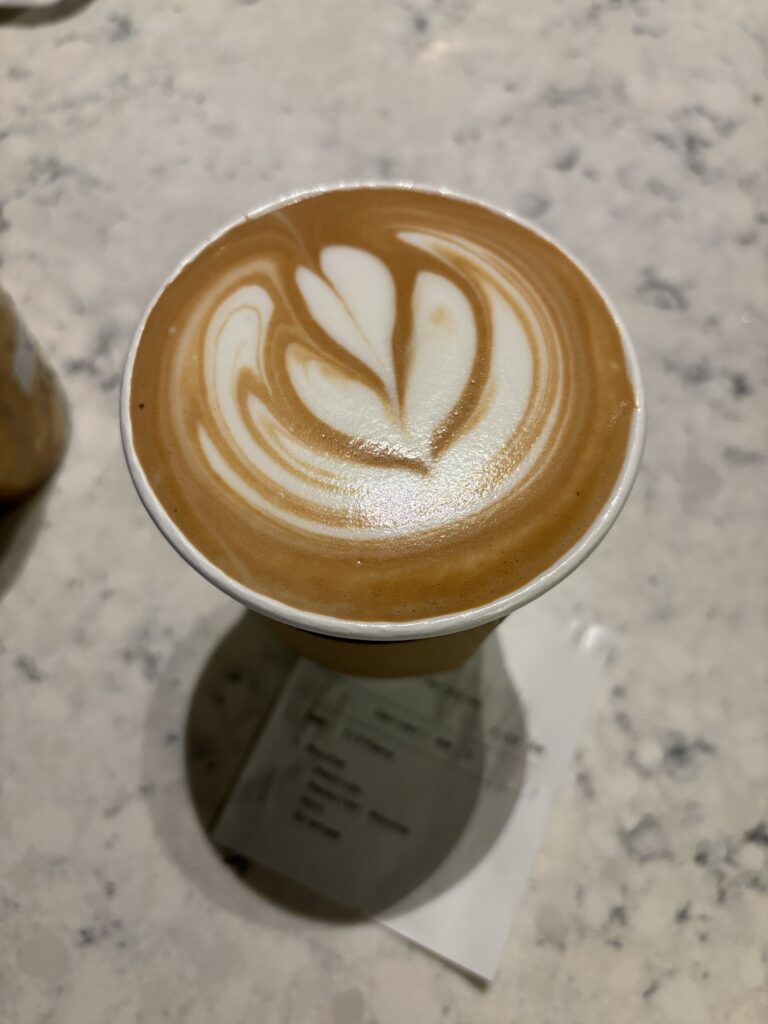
{"type": "Point", "coordinates": [414, 629]}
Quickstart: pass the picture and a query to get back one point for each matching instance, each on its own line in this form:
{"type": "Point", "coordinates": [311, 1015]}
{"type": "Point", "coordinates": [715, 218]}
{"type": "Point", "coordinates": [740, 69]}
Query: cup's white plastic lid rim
{"type": "Point", "coordinates": [359, 629]}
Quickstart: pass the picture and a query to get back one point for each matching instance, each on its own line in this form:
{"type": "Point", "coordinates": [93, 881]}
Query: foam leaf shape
{"type": "Point", "coordinates": [347, 405]}
{"type": "Point", "coordinates": [440, 357]}
{"type": "Point", "coordinates": [355, 305]}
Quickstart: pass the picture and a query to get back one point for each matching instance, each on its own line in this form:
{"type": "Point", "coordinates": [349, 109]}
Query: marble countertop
{"type": "Point", "coordinates": [636, 132]}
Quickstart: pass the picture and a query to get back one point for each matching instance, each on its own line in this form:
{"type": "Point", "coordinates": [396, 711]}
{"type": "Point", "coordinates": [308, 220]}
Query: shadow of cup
{"type": "Point", "coordinates": [231, 701]}
{"type": "Point", "coordinates": [19, 525]}
{"type": "Point", "coordinates": [29, 15]}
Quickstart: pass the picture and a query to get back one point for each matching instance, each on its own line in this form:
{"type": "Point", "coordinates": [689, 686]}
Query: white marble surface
{"type": "Point", "coordinates": [636, 131]}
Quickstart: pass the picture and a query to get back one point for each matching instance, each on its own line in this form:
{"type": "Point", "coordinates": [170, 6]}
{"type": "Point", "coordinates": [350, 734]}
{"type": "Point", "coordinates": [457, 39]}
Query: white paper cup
{"type": "Point", "coordinates": [383, 648]}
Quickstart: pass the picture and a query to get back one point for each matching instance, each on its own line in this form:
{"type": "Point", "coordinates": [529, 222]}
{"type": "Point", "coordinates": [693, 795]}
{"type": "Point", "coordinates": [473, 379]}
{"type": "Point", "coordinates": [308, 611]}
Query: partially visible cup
{"type": "Point", "coordinates": [33, 417]}
{"type": "Point", "coordinates": [358, 645]}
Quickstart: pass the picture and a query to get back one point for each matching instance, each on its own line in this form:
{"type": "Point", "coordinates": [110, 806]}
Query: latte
{"type": "Point", "coordinates": [381, 404]}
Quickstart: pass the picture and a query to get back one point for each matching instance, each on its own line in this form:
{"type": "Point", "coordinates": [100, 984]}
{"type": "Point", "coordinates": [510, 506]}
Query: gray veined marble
{"type": "Point", "coordinates": [636, 132]}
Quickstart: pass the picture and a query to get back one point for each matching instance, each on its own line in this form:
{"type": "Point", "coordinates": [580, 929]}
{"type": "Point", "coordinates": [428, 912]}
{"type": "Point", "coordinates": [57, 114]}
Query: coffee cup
{"type": "Point", "coordinates": [359, 640]}
{"type": "Point", "coordinates": [33, 413]}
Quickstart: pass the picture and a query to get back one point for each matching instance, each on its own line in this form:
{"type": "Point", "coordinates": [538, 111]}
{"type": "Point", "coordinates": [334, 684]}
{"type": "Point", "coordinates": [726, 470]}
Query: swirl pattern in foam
{"type": "Point", "coordinates": [381, 404]}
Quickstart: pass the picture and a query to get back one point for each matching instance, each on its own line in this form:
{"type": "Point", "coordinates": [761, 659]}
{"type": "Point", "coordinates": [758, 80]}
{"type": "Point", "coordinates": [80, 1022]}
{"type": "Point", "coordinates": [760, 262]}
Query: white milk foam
{"type": "Point", "coordinates": [354, 302]}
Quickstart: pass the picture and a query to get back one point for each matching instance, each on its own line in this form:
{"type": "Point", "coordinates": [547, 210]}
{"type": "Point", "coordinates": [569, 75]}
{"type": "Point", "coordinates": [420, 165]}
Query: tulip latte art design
{"type": "Point", "coordinates": [381, 404]}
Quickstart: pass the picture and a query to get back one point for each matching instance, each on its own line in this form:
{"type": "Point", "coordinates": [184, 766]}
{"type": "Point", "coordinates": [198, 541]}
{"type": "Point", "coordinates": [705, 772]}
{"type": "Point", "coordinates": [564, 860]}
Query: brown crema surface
{"type": "Point", "coordinates": [580, 407]}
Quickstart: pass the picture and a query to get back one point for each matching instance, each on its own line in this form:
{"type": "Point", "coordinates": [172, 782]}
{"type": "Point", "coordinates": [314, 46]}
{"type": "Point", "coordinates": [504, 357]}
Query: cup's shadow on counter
{"type": "Point", "coordinates": [20, 523]}
{"type": "Point", "coordinates": [229, 705]}
{"type": "Point", "coordinates": [27, 15]}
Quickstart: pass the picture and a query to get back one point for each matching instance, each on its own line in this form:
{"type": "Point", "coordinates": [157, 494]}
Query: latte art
{"type": "Point", "coordinates": [362, 378]}
{"type": "Point", "coordinates": [362, 450]}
